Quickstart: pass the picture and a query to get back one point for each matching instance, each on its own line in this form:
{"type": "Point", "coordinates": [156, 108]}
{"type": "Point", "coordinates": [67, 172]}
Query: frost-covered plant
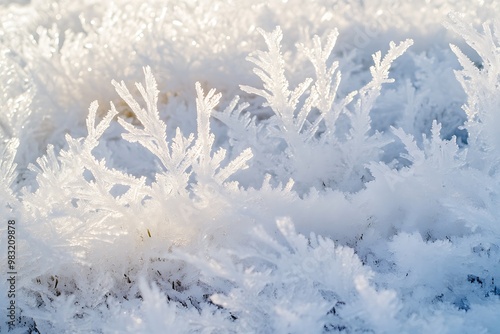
{"type": "Point", "coordinates": [338, 203]}
{"type": "Point", "coordinates": [293, 285]}
{"type": "Point", "coordinates": [124, 215]}
{"type": "Point", "coordinates": [305, 120]}
{"type": "Point", "coordinates": [481, 83]}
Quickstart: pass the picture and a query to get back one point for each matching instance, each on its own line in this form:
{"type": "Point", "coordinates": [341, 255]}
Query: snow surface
{"type": "Point", "coordinates": [279, 167]}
